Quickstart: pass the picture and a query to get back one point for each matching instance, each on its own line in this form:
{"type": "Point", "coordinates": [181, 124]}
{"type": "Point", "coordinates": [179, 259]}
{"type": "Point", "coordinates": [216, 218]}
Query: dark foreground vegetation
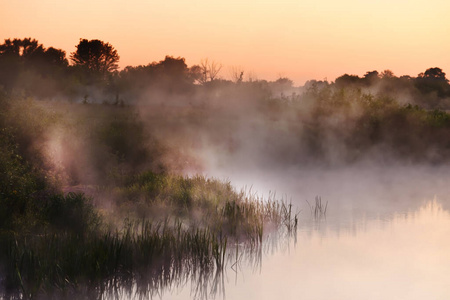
{"type": "Point", "coordinates": [94, 193]}
{"type": "Point", "coordinates": [129, 223]}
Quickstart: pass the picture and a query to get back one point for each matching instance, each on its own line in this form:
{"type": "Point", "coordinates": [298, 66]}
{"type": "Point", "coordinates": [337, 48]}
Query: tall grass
{"type": "Point", "coordinates": [55, 245]}
{"type": "Point", "coordinates": [151, 256]}
{"type": "Point", "coordinates": [77, 254]}
{"type": "Point", "coordinates": [318, 209]}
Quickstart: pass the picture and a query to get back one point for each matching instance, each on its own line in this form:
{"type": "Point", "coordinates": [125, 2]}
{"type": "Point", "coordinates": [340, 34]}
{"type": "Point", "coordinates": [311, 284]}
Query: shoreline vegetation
{"type": "Point", "coordinates": [95, 197]}
{"type": "Point", "coordinates": [145, 230]}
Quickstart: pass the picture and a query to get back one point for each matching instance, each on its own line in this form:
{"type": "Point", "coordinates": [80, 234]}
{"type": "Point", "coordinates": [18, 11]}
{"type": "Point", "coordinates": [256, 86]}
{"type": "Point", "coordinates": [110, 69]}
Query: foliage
{"type": "Point", "coordinates": [26, 66]}
{"type": "Point", "coordinates": [17, 182]}
{"type": "Point", "coordinates": [55, 244]}
{"type": "Point", "coordinates": [69, 171]}
{"type": "Point", "coordinates": [95, 56]}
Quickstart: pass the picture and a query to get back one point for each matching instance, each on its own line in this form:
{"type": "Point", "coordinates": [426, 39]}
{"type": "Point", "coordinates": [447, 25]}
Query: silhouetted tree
{"type": "Point", "coordinates": [173, 68]}
{"type": "Point", "coordinates": [371, 77]}
{"type": "Point", "coordinates": [237, 74]}
{"type": "Point", "coordinates": [55, 57]}
{"type": "Point", "coordinates": [28, 65]}
{"type": "Point", "coordinates": [24, 48]}
{"type": "Point", "coordinates": [347, 80]}
{"type": "Point", "coordinates": [433, 81]}
{"type": "Point", "coordinates": [285, 82]}
{"type": "Point", "coordinates": [209, 70]}
{"type": "Point", "coordinates": [315, 85]}
{"type": "Point", "coordinates": [434, 73]}
{"type": "Point", "coordinates": [29, 52]}
{"type": "Point", "coordinates": [387, 74]}
{"type": "Point", "coordinates": [96, 56]}
{"type": "Point", "coordinates": [195, 73]}
{"type": "Point", "coordinates": [10, 62]}
{"type": "Point", "coordinates": [170, 75]}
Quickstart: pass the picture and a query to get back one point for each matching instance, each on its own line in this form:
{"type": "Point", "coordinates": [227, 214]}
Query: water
{"type": "Point", "coordinates": [405, 256]}
{"type": "Point", "coordinates": [385, 236]}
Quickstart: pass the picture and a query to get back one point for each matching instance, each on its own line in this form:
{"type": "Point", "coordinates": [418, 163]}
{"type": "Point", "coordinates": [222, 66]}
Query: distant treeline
{"type": "Point", "coordinates": [429, 89]}
{"type": "Point", "coordinates": [57, 242]}
{"type": "Point", "coordinates": [91, 74]}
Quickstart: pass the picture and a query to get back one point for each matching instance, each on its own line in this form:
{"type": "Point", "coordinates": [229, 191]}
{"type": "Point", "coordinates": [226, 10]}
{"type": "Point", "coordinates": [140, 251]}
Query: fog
{"type": "Point", "coordinates": [354, 148]}
{"type": "Point", "coordinates": [146, 143]}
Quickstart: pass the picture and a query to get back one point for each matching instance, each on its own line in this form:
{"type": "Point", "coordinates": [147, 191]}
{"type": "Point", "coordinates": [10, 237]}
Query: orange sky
{"type": "Point", "coordinates": [303, 39]}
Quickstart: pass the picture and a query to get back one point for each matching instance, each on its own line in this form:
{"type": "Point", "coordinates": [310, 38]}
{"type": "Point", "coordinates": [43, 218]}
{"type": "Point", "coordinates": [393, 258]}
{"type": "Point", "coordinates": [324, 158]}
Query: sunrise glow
{"type": "Point", "coordinates": [298, 39]}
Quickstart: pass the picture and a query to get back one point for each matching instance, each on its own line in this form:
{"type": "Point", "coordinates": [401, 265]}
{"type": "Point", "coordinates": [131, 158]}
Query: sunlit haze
{"type": "Point", "coordinates": [225, 149]}
{"type": "Point", "coordinates": [297, 39]}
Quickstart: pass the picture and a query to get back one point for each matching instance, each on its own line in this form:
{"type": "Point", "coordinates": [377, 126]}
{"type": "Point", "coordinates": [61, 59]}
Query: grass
{"type": "Point", "coordinates": [318, 210]}
{"type": "Point", "coordinates": [55, 245]}
{"type": "Point", "coordinates": [77, 253]}
{"type": "Point", "coordinates": [150, 256]}
{"type": "Point", "coordinates": [61, 245]}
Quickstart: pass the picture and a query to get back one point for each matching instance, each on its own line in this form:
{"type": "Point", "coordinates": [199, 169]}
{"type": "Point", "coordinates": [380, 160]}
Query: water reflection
{"type": "Point", "coordinates": [213, 283]}
{"type": "Point", "coordinates": [405, 255]}
{"type": "Point", "coordinates": [402, 254]}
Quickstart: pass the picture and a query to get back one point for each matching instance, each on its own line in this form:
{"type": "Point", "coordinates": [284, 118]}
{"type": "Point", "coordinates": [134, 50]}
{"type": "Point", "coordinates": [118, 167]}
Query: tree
{"type": "Point", "coordinates": [433, 81]}
{"type": "Point", "coordinates": [435, 74]}
{"type": "Point", "coordinates": [371, 77]}
{"type": "Point", "coordinates": [209, 70]}
{"type": "Point", "coordinates": [237, 74]}
{"type": "Point", "coordinates": [284, 82]}
{"type": "Point", "coordinates": [387, 74]}
{"type": "Point", "coordinates": [32, 54]}
{"type": "Point", "coordinates": [96, 56]}
{"type": "Point", "coordinates": [347, 80]}
{"type": "Point", "coordinates": [173, 68]}
{"type": "Point", "coordinates": [24, 63]}
{"type": "Point", "coordinates": [196, 73]}
{"type": "Point", "coordinates": [170, 75]}
{"type": "Point", "coordinates": [55, 57]}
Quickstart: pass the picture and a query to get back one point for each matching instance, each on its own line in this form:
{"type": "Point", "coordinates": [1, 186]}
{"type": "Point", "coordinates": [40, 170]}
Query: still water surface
{"type": "Point", "coordinates": [386, 235]}
{"type": "Point", "coordinates": [402, 256]}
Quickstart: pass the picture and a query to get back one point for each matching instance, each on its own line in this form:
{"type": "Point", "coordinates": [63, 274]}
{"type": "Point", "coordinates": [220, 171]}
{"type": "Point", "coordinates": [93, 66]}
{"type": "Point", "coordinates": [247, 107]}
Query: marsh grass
{"type": "Point", "coordinates": [141, 231]}
{"type": "Point", "coordinates": [203, 202]}
{"type": "Point", "coordinates": [318, 209]}
{"type": "Point", "coordinates": [71, 245]}
{"type": "Point", "coordinates": [76, 253]}
{"type": "Point", "coordinates": [150, 256]}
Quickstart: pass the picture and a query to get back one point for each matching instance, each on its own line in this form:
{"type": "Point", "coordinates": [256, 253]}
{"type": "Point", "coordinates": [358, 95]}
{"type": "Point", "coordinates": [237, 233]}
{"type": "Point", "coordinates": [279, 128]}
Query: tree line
{"type": "Point", "coordinates": [430, 89]}
{"type": "Point", "coordinates": [91, 73]}
{"type": "Point", "coordinates": [27, 67]}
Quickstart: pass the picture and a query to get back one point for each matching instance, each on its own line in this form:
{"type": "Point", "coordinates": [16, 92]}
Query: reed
{"type": "Point", "coordinates": [318, 210]}
{"type": "Point", "coordinates": [77, 254]}
{"type": "Point", "coordinates": [150, 255]}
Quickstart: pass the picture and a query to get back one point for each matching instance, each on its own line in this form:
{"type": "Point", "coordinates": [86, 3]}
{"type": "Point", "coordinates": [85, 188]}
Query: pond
{"type": "Point", "coordinates": [385, 236]}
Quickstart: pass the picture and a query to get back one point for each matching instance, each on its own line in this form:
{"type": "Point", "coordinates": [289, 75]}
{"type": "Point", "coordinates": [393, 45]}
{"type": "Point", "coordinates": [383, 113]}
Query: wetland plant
{"type": "Point", "coordinates": [75, 253]}
{"type": "Point", "coordinates": [318, 210]}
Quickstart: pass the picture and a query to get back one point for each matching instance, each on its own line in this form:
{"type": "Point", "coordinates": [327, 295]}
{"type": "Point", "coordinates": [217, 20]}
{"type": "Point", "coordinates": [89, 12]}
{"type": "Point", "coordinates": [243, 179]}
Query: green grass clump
{"type": "Point", "coordinates": [201, 202]}
{"type": "Point", "coordinates": [149, 255]}
{"type": "Point", "coordinates": [74, 252]}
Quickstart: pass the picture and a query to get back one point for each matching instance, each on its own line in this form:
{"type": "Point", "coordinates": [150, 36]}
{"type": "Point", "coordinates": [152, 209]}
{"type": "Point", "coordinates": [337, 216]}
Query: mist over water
{"type": "Point", "coordinates": [147, 144]}
{"type": "Point", "coordinates": [383, 237]}
{"type": "Point", "coordinates": [383, 205]}
{"type": "Point", "coordinates": [405, 257]}
{"type": "Point", "coordinates": [364, 188]}
{"type": "Point", "coordinates": [370, 199]}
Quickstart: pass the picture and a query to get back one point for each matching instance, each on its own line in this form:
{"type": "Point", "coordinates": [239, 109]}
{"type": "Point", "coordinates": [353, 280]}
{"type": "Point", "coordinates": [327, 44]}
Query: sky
{"type": "Point", "coordinates": [301, 40]}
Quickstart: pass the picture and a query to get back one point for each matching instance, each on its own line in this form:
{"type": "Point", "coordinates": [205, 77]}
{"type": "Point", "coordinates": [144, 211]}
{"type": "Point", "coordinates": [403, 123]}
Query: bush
{"type": "Point", "coordinates": [73, 212]}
